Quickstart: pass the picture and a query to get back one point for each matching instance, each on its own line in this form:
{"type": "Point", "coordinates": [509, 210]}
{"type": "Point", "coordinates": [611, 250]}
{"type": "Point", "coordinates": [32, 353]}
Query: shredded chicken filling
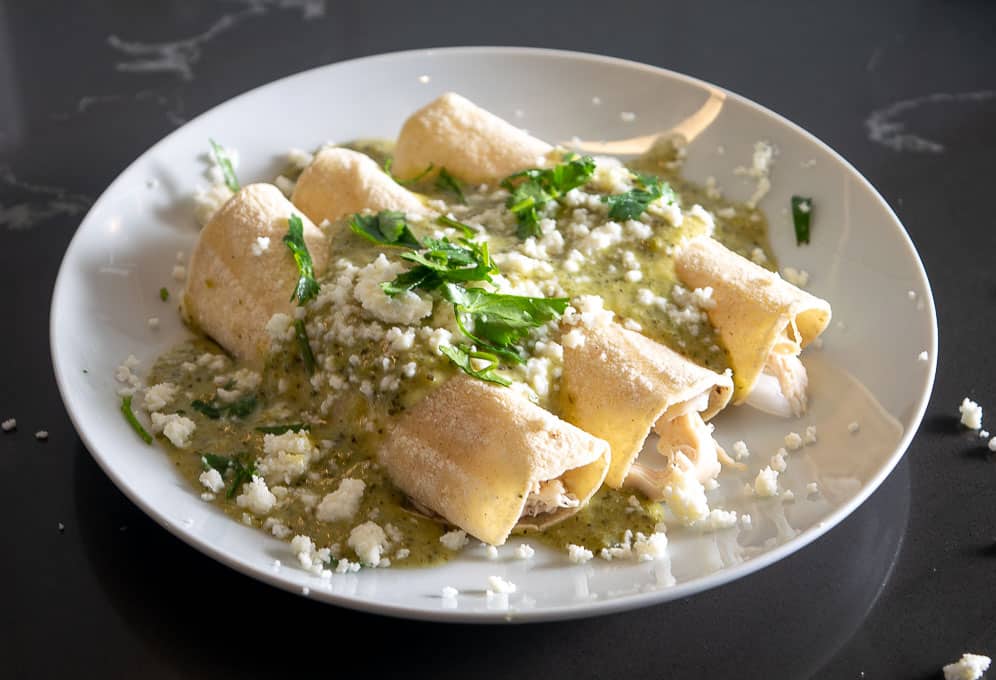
{"type": "Point", "coordinates": [548, 496]}
{"type": "Point", "coordinates": [781, 387]}
{"type": "Point", "coordinates": [687, 446]}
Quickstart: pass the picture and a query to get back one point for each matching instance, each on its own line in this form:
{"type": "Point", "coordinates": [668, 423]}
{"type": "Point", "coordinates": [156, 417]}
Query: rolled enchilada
{"type": "Point", "coordinates": [488, 460]}
{"type": "Point", "coordinates": [618, 384]}
{"type": "Point", "coordinates": [473, 145]}
{"type": "Point", "coordinates": [340, 182]}
{"type": "Point", "coordinates": [763, 320]}
{"type": "Point", "coordinates": [235, 284]}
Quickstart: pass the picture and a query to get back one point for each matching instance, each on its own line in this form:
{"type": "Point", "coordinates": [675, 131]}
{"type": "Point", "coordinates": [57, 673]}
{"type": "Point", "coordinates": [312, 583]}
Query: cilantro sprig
{"type": "Point", "coordinates": [304, 346]}
{"type": "Point", "coordinates": [129, 415]}
{"type": "Point", "coordinates": [405, 182]}
{"type": "Point", "coordinates": [307, 286]}
{"type": "Point", "coordinates": [496, 323]}
{"type": "Point", "coordinates": [386, 228]}
{"type": "Point", "coordinates": [225, 163]}
{"type": "Point", "coordinates": [802, 215]}
{"type": "Point", "coordinates": [237, 409]}
{"type": "Point", "coordinates": [463, 358]}
{"type": "Point", "coordinates": [447, 182]}
{"type": "Point", "coordinates": [631, 204]}
{"type": "Point", "coordinates": [531, 190]}
{"type": "Point", "coordinates": [242, 469]}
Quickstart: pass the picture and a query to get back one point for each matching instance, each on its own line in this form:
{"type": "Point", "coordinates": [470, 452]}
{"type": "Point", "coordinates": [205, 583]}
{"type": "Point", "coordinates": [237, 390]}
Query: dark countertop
{"type": "Point", "coordinates": [903, 586]}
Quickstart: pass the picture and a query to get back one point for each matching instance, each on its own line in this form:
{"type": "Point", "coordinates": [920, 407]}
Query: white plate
{"type": "Point", "coordinates": [860, 259]}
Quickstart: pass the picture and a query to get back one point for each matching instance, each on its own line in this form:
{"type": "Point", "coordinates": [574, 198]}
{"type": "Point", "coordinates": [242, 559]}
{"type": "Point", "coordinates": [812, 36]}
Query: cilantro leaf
{"type": "Point", "coordinates": [387, 168]}
{"type": "Point", "coordinates": [498, 320]}
{"type": "Point", "coordinates": [133, 421]}
{"type": "Point", "coordinates": [802, 214]}
{"type": "Point", "coordinates": [225, 163]}
{"type": "Point", "coordinates": [447, 221]}
{"type": "Point", "coordinates": [238, 409]}
{"type": "Point", "coordinates": [210, 410]}
{"type": "Point", "coordinates": [462, 357]}
{"type": "Point", "coordinates": [213, 460]}
{"type": "Point", "coordinates": [443, 261]}
{"type": "Point", "coordinates": [301, 333]}
{"type": "Point", "coordinates": [631, 204]}
{"type": "Point", "coordinates": [163, 294]}
{"type": "Point", "coordinates": [531, 190]}
{"type": "Point", "coordinates": [243, 470]}
{"type": "Point", "coordinates": [447, 182]}
{"type": "Point", "coordinates": [386, 228]}
{"type": "Point", "coordinates": [307, 287]}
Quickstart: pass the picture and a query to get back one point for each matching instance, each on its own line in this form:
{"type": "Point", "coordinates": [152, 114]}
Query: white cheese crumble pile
{"type": "Point", "coordinates": [968, 667]}
{"type": "Point", "coordinates": [498, 585]}
{"type": "Point", "coordinates": [525, 551]}
{"type": "Point", "coordinates": [971, 414]}
{"type": "Point", "coordinates": [579, 554]}
{"type": "Point", "coordinates": [343, 503]}
{"type": "Point", "coordinates": [766, 483]}
{"type": "Point", "coordinates": [9, 425]}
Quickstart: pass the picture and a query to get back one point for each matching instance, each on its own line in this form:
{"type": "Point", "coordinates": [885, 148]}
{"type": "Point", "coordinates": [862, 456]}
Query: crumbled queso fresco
{"type": "Point", "coordinates": [293, 452]}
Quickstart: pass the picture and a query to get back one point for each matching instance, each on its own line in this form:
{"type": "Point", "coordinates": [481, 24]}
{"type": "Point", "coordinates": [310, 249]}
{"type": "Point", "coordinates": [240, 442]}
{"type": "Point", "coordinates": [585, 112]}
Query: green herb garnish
{"type": "Point", "coordinates": [532, 189]}
{"type": "Point", "coordinates": [301, 333]}
{"type": "Point", "coordinates": [225, 163]}
{"type": "Point", "coordinates": [443, 261]}
{"type": "Point", "coordinates": [281, 429]}
{"type": "Point", "coordinates": [163, 294]}
{"type": "Point", "coordinates": [631, 204]}
{"type": "Point", "coordinates": [461, 356]}
{"type": "Point", "coordinates": [132, 420]}
{"type": "Point", "coordinates": [802, 213]}
{"type": "Point", "coordinates": [447, 182]}
{"type": "Point", "coordinates": [447, 221]}
{"type": "Point", "coordinates": [387, 168]}
{"type": "Point", "coordinates": [242, 470]}
{"type": "Point", "coordinates": [386, 228]}
{"type": "Point", "coordinates": [307, 287]}
{"type": "Point", "coordinates": [238, 409]}
{"type": "Point", "coordinates": [497, 321]}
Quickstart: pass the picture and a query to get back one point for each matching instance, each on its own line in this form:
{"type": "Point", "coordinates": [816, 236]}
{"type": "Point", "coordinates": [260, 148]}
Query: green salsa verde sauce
{"type": "Point", "coordinates": [286, 395]}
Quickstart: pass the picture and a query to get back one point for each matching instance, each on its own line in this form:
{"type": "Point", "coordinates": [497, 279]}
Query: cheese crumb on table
{"type": "Point", "coordinates": [853, 427]}
{"type": "Point", "coordinates": [922, 356]}
{"type": "Point", "coordinates": [971, 414]}
{"type": "Point", "coordinates": [992, 444]}
{"type": "Point", "coordinates": [492, 552]}
{"type": "Point", "coordinates": [793, 442]}
{"type": "Point", "coordinates": [41, 435]}
{"type": "Point", "coordinates": [968, 667]}
{"type": "Point", "coordinates": [8, 425]}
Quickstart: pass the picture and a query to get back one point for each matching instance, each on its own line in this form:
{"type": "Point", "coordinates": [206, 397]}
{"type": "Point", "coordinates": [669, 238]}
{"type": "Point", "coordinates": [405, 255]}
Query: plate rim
{"type": "Point", "coordinates": [626, 602]}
